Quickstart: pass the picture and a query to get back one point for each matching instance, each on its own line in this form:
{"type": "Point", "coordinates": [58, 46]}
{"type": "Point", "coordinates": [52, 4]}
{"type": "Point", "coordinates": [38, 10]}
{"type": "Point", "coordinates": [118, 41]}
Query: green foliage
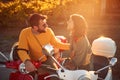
{"type": "Point", "coordinates": [15, 13]}
{"type": "Point", "coordinates": [61, 13]}
{"type": "Point", "coordinates": [11, 13]}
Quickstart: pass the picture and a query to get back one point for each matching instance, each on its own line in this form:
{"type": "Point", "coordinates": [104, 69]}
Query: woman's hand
{"type": "Point", "coordinates": [72, 54]}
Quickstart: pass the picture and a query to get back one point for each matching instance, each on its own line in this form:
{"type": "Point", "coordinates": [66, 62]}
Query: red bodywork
{"type": "Point", "coordinates": [17, 75]}
{"type": "Point", "coordinates": [22, 76]}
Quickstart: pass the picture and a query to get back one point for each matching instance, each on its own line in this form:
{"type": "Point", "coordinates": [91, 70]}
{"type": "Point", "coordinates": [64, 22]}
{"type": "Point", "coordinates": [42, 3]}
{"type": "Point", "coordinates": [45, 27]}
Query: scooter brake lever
{"type": "Point", "coordinates": [53, 75]}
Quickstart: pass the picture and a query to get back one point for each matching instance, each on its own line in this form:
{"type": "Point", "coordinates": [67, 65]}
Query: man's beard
{"type": "Point", "coordinates": [41, 31]}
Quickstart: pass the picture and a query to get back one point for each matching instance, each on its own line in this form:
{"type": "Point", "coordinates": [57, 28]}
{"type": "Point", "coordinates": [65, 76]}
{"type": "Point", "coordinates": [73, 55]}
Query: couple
{"type": "Point", "coordinates": [39, 34]}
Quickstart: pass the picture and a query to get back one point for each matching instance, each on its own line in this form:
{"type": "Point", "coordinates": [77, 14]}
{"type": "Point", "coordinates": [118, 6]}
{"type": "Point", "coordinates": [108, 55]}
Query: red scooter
{"type": "Point", "coordinates": [20, 73]}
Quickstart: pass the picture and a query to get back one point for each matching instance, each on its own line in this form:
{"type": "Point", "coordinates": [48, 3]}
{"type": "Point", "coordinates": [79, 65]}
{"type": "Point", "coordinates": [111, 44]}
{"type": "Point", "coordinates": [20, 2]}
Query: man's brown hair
{"type": "Point", "coordinates": [34, 19]}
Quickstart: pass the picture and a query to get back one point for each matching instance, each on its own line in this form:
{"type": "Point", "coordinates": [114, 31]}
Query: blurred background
{"type": "Point", "coordinates": [103, 17]}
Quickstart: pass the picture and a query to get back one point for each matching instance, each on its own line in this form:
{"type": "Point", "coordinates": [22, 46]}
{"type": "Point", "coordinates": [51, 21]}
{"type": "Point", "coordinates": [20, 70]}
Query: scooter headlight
{"type": "Point", "coordinates": [22, 68]}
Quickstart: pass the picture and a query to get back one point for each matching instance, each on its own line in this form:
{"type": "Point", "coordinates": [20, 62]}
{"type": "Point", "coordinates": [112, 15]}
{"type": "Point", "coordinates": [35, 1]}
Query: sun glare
{"type": "Point", "coordinates": [102, 36]}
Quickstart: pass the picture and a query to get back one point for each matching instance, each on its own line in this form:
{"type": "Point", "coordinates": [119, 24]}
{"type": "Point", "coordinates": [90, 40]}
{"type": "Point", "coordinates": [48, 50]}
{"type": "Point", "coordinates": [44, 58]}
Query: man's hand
{"type": "Point", "coordinates": [29, 66]}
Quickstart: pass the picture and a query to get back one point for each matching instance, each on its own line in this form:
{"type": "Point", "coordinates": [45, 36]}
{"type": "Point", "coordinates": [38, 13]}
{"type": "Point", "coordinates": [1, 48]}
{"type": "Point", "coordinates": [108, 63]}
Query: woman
{"type": "Point", "coordinates": [80, 51]}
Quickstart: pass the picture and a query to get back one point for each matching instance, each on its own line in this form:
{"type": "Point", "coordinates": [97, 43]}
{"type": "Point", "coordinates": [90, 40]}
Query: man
{"type": "Point", "coordinates": [33, 38]}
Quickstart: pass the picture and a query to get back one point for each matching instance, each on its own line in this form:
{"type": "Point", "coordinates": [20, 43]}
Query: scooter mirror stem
{"type": "Point", "coordinates": [96, 72]}
{"type": "Point", "coordinates": [57, 62]}
{"type": "Point", "coordinates": [112, 63]}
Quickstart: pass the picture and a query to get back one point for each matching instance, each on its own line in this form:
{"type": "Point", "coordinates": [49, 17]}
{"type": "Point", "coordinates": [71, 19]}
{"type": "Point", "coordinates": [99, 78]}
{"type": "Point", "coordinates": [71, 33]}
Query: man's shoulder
{"type": "Point", "coordinates": [26, 29]}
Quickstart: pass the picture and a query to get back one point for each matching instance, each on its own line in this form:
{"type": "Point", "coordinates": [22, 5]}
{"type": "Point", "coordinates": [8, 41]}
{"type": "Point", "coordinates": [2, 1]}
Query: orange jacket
{"type": "Point", "coordinates": [27, 41]}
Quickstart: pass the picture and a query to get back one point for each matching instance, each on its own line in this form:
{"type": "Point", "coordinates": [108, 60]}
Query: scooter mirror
{"type": "Point", "coordinates": [113, 61]}
{"type": "Point", "coordinates": [48, 49]}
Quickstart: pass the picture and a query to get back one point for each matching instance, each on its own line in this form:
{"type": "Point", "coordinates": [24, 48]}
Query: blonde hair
{"type": "Point", "coordinates": [80, 25]}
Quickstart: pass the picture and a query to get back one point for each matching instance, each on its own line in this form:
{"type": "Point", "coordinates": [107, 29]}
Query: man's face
{"type": "Point", "coordinates": [42, 26]}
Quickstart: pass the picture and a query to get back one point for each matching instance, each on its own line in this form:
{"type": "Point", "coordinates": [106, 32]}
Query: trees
{"type": "Point", "coordinates": [15, 12]}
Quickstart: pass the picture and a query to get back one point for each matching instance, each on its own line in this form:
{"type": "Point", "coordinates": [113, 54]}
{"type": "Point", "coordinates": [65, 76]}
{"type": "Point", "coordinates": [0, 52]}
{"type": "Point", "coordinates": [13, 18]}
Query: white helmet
{"type": "Point", "coordinates": [104, 46]}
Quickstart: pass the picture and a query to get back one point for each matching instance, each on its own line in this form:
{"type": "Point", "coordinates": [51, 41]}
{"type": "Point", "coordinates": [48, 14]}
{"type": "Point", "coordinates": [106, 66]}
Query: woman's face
{"type": "Point", "coordinates": [70, 24]}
